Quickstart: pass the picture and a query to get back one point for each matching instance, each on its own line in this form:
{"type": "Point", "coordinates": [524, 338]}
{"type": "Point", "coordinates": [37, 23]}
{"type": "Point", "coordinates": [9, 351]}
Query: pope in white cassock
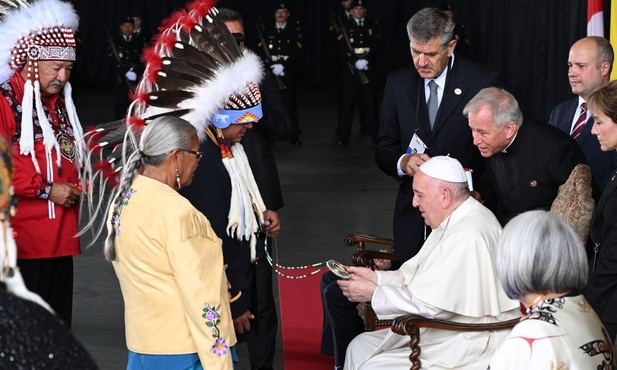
{"type": "Point", "coordinates": [451, 278]}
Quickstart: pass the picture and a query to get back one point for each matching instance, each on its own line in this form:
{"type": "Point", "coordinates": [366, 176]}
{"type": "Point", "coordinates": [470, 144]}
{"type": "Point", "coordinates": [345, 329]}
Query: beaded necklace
{"type": "Point", "coordinates": [277, 268]}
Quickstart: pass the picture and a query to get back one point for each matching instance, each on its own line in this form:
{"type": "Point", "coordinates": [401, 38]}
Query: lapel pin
{"type": "Point", "coordinates": [533, 183]}
{"type": "Point", "coordinates": [458, 91]}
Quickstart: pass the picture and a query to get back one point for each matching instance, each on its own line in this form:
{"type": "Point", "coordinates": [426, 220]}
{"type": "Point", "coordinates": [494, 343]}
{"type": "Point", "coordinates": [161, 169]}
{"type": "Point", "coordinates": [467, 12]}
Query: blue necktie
{"type": "Point", "coordinates": [433, 103]}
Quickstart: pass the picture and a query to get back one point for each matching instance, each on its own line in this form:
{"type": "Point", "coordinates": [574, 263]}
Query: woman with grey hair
{"type": "Point", "coordinates": [167, 258]}
{"type": "Point", "coordinates": [541, 262]}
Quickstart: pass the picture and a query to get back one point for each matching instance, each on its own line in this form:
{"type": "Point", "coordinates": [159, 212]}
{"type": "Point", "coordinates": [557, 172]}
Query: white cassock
{"type": "Point", "coordinates": [451, 278]}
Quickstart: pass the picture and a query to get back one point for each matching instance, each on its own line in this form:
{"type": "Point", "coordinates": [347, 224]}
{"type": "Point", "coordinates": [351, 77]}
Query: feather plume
{"type": "Point", "coordinates": [214, 44]}
{"type": "Point", "coordinates": [163, 41]}
{"type": "Point", "coordinates": [186, 23]}
{"type": "Point", "coordinates": [176, 113]}
{"type": "Point", "coordinates": [169, 98]}
{"type": "Point", "coordinates": [193, 56]}
{"type": "Point", "coordinates": [175, 79]}
{"type": "Point", "coordinates": [140, 97]}
{"type": "Point", "coordinates": [7, 6]}
{"type": "Point", "coordinates": [200, 7]}
{"type": "Point", "coordinates": [112, 138]}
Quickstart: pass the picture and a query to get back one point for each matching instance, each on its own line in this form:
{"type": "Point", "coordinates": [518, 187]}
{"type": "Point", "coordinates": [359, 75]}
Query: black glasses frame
{"type": "Point", "coordinates": [198, 155]}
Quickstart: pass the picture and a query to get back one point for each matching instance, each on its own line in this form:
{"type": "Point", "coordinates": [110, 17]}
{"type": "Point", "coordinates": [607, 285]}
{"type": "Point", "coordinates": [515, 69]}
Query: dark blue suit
{"type": "Point", "coordinates": [602, 164]}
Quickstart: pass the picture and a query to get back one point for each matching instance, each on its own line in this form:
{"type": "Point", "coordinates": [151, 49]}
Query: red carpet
{"type": "Point", "coordinates": [301, 320]}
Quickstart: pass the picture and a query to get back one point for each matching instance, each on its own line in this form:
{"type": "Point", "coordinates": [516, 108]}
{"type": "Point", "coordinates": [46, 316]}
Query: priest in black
{"type": "Point", "coordinates": [526, 162]}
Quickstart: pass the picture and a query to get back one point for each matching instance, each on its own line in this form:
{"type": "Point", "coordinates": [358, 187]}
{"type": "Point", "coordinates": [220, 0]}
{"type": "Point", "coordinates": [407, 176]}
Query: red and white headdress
{"type": "Point", "coordinates": [31, 32]}
{"type": "Point", "coordinates": [196, 71]}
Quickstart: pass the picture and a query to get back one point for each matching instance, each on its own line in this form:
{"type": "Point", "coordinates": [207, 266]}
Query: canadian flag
{"type": "Point", "coordinates": [595, 18]}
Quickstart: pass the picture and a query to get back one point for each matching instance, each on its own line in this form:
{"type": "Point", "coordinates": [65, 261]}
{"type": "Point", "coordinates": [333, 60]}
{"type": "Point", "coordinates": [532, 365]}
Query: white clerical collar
{"type": "Point", "coordinates": [505, 150]}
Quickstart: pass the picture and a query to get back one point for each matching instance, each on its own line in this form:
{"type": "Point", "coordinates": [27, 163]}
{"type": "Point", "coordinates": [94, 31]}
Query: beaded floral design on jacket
{"type": "Point", "coordinates": [213, 318]}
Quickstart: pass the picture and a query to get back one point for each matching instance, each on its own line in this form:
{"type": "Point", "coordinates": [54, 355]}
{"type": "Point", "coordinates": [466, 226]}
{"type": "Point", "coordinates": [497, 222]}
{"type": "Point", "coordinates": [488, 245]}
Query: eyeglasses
{"type": "Point", "coordinates": [239, 37]}
{"type": "Point", "coordinates": [198, 155]}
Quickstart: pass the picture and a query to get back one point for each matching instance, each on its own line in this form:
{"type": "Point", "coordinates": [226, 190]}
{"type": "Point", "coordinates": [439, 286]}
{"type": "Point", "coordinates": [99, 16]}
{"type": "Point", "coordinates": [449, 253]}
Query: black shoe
{"type": "Point", "coordinates": [341, 142]}
{"type": "Point", "coordinates": [296, 142]}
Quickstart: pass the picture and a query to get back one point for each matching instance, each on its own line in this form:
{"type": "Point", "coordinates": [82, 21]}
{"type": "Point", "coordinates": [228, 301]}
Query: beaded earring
{"type": "Point", "coordinates": [178, 179]}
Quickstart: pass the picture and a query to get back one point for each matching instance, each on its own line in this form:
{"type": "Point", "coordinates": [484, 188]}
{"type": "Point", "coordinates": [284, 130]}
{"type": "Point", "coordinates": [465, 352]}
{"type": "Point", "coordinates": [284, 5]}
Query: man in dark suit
{"type": "Point", "coordinates": [405, 116]}
{"type": "Point", "coordinates": [526, 162]}
{"type": "Point", "coordinates": [589, 68]}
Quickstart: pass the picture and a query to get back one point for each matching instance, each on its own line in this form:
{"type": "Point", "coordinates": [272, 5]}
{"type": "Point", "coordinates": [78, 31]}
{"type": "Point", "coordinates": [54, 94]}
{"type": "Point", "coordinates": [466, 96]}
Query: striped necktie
{"type": "Point", "coordinates": [580, 122]}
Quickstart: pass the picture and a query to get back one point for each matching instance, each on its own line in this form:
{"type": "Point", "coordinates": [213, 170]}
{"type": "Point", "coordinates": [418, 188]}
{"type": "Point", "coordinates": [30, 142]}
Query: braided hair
{"type": "Point", "coordinates": [156, 141]}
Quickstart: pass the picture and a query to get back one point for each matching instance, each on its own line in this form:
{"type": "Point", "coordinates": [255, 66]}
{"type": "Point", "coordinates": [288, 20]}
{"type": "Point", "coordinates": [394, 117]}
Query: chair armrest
{"type": "Point", "coordinates": [360, 240]}
{"type": "Point", "coordinates": [363, 257]}
{"type": "Point", "coordinates": [410, 325]}
{"type": "Point", "coordinates": [404, 324]}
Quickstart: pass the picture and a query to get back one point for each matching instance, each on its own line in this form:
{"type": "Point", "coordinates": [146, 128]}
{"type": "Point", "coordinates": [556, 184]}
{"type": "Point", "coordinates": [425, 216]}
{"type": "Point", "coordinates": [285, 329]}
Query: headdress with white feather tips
{"type": "Point", "coordinates": [196, 71]}
{"type": "Point", "coordinates": [32, 32]}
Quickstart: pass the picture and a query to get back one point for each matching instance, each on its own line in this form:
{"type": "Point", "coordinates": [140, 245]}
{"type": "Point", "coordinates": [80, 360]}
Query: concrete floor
{"type": "Point", "coordinates": [329, 191]}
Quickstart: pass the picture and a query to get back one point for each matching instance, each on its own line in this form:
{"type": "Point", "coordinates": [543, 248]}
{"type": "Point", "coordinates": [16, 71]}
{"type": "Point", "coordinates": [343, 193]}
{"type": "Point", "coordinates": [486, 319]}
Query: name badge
{"type": "Point", "coordinates": [416, 145]}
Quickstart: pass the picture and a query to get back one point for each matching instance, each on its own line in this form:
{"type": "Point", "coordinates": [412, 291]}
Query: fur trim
{"type": "Point", "coordinates": [211, 96]}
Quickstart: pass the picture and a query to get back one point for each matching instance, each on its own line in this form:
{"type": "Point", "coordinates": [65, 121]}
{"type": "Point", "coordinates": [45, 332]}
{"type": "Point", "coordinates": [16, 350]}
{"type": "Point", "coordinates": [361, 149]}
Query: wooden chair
{"type": "Point", "coordinates": [406, 324]}
{"type": "Point", "coordinates": [366, 258]}
{"type": "Point", "coordinates": [411, 324]}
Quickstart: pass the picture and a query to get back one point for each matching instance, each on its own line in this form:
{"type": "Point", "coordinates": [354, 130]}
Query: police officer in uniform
{"type": "Point", "coordinates": [345, 12]}
{"type": "Point", "coordinates": [284, 42]}
{"type": "Point", "coordinates": [460, 33]}
{"type": "Point", "coordinates": [140, 30]}
{"type": "Point", "coordinates": [358, 41]}
{"type": "Point", "coordinates": [126, 53]}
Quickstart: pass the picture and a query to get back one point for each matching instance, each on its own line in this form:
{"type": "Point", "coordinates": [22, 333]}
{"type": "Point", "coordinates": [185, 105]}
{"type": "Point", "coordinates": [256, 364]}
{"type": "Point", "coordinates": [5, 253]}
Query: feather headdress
{"type": "Point", "coordinates": [196, 71]}
{"type": "Point", "coordinates": [33, 32]}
